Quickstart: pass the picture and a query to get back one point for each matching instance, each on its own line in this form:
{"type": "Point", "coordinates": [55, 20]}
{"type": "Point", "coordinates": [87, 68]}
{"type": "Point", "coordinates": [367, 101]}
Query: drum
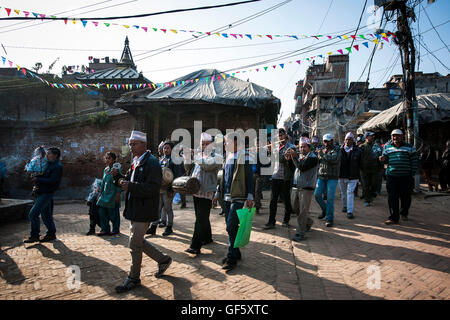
{"type": "Point", "coordinates": [186, 185]}
{"type": "Point", "coordinates": [167, 177]}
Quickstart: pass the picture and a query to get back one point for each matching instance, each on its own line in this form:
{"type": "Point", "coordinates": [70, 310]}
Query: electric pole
{"type": "Point", "coordinates": [405, 42]}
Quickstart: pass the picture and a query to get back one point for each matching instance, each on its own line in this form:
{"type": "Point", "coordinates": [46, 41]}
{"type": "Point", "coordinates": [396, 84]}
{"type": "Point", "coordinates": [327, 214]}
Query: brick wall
{"type": "Point", "coordinates": [82, 148]}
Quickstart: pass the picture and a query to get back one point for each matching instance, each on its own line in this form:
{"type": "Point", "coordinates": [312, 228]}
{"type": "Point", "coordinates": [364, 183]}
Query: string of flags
{"type": "Point", "coordinates": [218, 77]}
{"type": "Point", "coordinates": [146, 29]}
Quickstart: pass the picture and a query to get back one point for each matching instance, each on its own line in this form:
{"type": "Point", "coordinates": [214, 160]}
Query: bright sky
{"type": "Point", "coordinates": [28, 42]}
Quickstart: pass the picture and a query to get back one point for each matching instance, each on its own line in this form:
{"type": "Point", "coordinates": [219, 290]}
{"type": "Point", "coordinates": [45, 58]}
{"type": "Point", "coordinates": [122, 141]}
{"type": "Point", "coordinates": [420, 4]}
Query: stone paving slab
{"type": "Point", "coordinates": [412, 259]}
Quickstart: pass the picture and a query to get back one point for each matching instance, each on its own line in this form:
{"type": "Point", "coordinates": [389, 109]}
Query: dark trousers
{"type": "Point", "coordinates": [43, 206]}
{"type": "Point", "coordinates": [94, 217]}
{"type": "Point", "coordinates": [369, 183]}
{"type": "Point", "coordinates": [399, 189]}
{"type": "Point", "coordinates": [280, 187]}
{"type": "Point", "coordinates": [183, 200]}
{"type": "Point", "coordinates": [202, 227]}
{"type": "Point", "coordinates": [258, 181]}
{"type": "Point", "coordinates": [444, 178]}
{"type": "Point", "coordinates": [232, 220]}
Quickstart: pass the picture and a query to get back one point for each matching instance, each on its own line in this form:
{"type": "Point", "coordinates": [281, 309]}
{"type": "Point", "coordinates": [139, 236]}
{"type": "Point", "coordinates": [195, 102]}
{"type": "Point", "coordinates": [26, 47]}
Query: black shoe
{"type": "Point", "coordinates": [308, 226]}
{"type": "Point", "coordinates": [31, 240]}
{"type": "Point", "coordinates": [128, 284]}
{"type": "Point", "coordinates": [322, 215]}
{"type": "Point", "coordinates": [152, 229]}
{"type": "Point", "coordinates": [229, 265]}
{"type": "Point", "coordinates": [90, 233]}
{"type": "Point", "coordinates": [329, 224]}
{"type": "Point", "coordinates": [167, 231]}
{"type": "Point", "coordinates": [350, 215]}
{"type": "Point", "coordinates": [389, 222]}
{"type": "Point", "coordinates": [298, 237]}
{"type": "Point", "coordinates": [162, 267]}
{"type": "Point", "coordinates": [225, 259]}
{"type": "Point", "coordinates": [162, 224]}
{"type": "Point", "coordinates": [268, 226]}
{"type": "Point", "coordinates": [344, 209]}
{"type": "Point", "coordinates": [193, 251]}
{"type": "Point", "coordinates": [404, 218]}
{"type": "Point", "coordinates": [207, 242]}
{"type": "Point", "coordinates": [183, 206]}
{"type": "Point", "coordinates": [48, 238]}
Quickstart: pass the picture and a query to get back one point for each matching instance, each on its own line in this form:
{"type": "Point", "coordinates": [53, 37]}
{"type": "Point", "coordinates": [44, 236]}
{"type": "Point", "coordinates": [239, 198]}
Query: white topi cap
{"type": "Point", "coordinates": [206, 137]}
{"type": "Point", "coordinates": [327, 137]}
{"type": "Point", "coordinates": [396, 131]}
{"type": "Point", "coordinates": [138, 136]}
{"type": "Point", "coordinates": [350, 135]}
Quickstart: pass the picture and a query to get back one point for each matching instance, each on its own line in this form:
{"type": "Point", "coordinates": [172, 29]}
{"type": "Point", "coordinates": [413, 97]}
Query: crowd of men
{"type": "Point", "coordinates": [301, 171]}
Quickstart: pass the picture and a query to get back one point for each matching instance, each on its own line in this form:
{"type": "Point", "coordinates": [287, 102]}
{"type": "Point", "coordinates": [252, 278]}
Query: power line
{"type": "Point", "coordinates": [98, 9]}
{"type": "Point", "coordinates": [91, 5]}
{"type": "Point", "coordinates": [426, 48]}
{"type": "Point", "coordinates": [426, 13]}
{"type": "Point", "coordinates": [285, 54]}
{"type": "Point", "coordinates": [137, 15]}
{"type": "Point", "coordinates": [234, 24]}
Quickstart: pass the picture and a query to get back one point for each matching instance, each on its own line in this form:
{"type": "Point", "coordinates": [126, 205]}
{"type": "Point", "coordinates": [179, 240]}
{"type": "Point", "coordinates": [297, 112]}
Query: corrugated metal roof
{"type": "Point", "coordinates": [113, 74]}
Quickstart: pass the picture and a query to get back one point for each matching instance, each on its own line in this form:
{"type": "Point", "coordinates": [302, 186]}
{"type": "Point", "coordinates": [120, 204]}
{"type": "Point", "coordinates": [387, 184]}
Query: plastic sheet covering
{"type": "Point", "coordinates": [229, 91]}
{"type": "Point", "coordinates": [431, 108]}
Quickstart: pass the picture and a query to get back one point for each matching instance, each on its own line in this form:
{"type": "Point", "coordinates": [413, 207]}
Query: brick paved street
{"type": "Point", "coordinates": [413, 258]}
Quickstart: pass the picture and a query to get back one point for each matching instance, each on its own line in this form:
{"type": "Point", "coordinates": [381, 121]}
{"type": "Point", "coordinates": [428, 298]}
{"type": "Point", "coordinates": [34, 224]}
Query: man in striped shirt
{"type": "Point", "coordinates": [402, 161]}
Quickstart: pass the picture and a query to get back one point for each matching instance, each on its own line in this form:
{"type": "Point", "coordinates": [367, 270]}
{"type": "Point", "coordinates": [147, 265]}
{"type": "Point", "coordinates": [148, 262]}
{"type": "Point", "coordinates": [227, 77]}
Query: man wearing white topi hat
{"type": "Point", "coordinates": [402, 163]}
{"type": "Point", "coordinates": [350, 159]}
{"type": "Point", "coordinates": [205, 170]}
{"type": "Point", "coordinates": [329, 165]}
{"type": "Point", "coordinates": [142, 183]}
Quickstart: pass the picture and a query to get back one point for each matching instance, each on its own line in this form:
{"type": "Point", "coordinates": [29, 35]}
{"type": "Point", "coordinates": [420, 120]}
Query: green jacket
{"type": "Point", "coordinates": [108, 190]}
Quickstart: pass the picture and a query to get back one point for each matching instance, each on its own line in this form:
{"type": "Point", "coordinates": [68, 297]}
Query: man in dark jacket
{"type": "Point", "coordinates": [370, 168]}
{"type": "Point", "coordinates": [142, 183]}
{"type": "Point", "coordinates": [349, 173]}
{"type": "Point", "coordinates": [444, 174]}
{"type": "Point", "coordinates": [281, 182]}
{"type": "Point", "coordinates": [46, 185]}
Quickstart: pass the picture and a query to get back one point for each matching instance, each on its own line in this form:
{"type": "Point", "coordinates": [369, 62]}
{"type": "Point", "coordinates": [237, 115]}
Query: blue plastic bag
{"type": "Point", "coordinates": [176, 199]}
